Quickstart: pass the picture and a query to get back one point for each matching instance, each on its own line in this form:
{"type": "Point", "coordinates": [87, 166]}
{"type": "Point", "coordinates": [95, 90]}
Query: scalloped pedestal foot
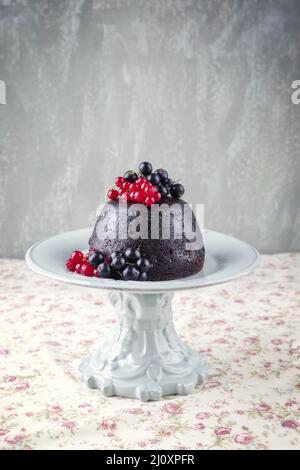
{"type": "Point", "coordinates": [145, 359]}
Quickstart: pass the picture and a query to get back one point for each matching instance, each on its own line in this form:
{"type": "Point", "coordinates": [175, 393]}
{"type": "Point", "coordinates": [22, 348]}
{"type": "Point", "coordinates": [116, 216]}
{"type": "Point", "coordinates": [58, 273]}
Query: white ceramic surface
{"type": "Point", "coordinates": [226, 258]}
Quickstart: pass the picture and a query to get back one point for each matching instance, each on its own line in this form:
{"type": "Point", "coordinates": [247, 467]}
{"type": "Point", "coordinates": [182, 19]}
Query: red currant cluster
{"type": "Point", "coordinates": [79, 263]}
{"type": "Point", "coordinates": [140, 191]}
{"type": "Point", "coordinates": [147, 187]}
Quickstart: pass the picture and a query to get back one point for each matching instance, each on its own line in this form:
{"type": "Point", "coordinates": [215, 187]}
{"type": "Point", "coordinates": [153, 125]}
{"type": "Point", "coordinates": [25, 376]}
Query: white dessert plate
{"type": "Point", "coordinates": [226, 258]}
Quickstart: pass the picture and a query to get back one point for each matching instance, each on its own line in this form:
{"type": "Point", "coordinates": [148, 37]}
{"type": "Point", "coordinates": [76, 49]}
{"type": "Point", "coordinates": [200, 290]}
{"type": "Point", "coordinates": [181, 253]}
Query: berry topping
{"type": "Point", "coordinates": [77, 256]}
{"type": "Point", "coordinates": [142, 277]}
{"type": "Point", "coordinates": [138, 196]}
{"type": "Point", "coordinates": [149, 201]}
{"type": "Point", "coordinates": [130, 176]}
{"type": "Point", "coordinates": [154, 178]}
{"type": "Point", "coordinates": [104, 271]}
{"type": "Point", "coordinates": [168, 183]}
{"type": "Point", "coordinates": [118, 263]}
{"type": "Point", "coordinates": [149, 190]}
{"type": "Point", "coordinates": [163, 190]}
{"type": "Point", "coordinates": [157, 196]}
{"type": "Point", "coordinates": [130, 273]}
{"type": "Point", "coordinates": [126, 197]}
{"type": "Point", "coordinates": [132, 255]}
{"type": "Point", "coordinates": [87, 270]}
{"type": "Point", "coordinates": [119, 181]}
{"type": "Point", "coordinates": [112, 194]}
{"type": "Point", "coordinates": [95, 258]}
{"type": "Point", "coordinates": [163, 174]}
{"type": "Point", "coordinates": [70, 265]}
{"type": "Point", "coordinates": [177, 190]}
{"type": "Point", "coordinates": [143, 265]}
{"type": "Point", "coordinates": [142, 188]}
{"type": "Point", "coordinates": [126, 185]}
{"type": "Point", "coordinates": [145, 185]}
{"type": "Point", "coordinates": [145, 168]}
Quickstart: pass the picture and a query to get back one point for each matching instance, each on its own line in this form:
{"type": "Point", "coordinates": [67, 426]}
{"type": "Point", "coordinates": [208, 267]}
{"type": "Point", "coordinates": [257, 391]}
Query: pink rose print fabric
{"type": "Point", "coordinates": [248, 330]}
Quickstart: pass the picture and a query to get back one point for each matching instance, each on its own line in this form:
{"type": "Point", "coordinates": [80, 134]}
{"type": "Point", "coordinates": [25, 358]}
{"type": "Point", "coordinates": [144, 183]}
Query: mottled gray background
{"type": "Point", "coordinates": [202, 88]}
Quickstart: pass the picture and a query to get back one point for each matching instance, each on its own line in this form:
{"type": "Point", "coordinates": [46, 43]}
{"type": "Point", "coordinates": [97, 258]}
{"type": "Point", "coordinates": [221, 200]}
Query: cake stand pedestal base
{"type": "Point", "coordinates": [145, 359]}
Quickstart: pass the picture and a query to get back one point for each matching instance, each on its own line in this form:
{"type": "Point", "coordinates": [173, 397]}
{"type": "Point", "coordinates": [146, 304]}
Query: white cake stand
{"type": "Point", "coordinates": [145, 358]}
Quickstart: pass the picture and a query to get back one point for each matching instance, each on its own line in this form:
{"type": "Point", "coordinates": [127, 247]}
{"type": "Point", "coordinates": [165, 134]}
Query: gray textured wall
{"type": "Point", "coordinates": [200, 87]}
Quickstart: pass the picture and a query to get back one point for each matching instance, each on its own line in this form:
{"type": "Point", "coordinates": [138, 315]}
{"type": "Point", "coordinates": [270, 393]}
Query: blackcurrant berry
{"type": "Point", "coordinates": [116, 275]}
{"type": "Point", "coordinates": [104, 271]}
{"type": "Point", "coordinates": [95, 258]}
{"type": "Point", "coordinates": [143, 265]}
{"type": "Point", "coordinates": [142, 277]}
{"type": "Point", "coordinates": [130, 273]}
{"type": "Point", "coordinates": [168, 183]}
{"type": "Point", "coordinates": [163, 190]}
{"type": "Point", "coordinates": [163, 174]}
{"type": "Point", "coordinates": [177, 190]}
{"type": "Point", "coordinates": [130, 176]}
{"type": "Point", "coordinates": [132, 255]}
{"type": "Point", "coordinates": [145, 168]}
{"type": "Point", "coordinates": [116, 254]}
{"type": "Point", "coordinates": [118, 263]}
{"type": "Point", "coordinates": [154, 178]}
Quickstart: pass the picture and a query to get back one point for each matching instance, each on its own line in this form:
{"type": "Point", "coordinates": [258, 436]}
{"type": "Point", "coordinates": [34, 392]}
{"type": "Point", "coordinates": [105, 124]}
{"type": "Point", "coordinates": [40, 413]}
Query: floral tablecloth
{"type": "Point", "coordinates": [248, 329]}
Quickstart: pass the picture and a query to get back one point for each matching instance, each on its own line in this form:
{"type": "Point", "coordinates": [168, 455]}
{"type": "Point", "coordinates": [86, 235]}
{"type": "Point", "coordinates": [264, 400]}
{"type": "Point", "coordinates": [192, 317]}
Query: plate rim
{"type": "Point", "coordinates": [138, 286]}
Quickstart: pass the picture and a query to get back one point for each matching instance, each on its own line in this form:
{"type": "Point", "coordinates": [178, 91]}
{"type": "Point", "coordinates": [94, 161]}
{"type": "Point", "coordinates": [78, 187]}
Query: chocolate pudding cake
{"type": "Point", "coordinates": [142, 232]}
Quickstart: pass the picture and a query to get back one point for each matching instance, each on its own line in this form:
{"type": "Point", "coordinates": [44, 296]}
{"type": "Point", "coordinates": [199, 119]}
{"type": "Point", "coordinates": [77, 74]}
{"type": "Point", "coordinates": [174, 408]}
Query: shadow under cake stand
{"type": "Point", "coordinates": [144, 358]}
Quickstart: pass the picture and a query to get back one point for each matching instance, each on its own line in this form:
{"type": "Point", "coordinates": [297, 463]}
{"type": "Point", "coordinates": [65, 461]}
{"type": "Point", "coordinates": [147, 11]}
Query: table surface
{"type": "Point", "coordinates": [248, 329]}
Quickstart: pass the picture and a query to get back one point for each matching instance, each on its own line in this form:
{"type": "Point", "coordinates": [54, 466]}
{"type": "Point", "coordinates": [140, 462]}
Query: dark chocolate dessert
{"type": "Point", "coordinates": [146, 232]}
{"type": "Point", "coordinates": [169, 257]}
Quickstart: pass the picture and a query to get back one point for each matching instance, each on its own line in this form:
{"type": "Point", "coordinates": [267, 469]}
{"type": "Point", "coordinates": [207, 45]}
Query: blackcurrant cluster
{"type": "Point", "coordinates": [128, 266]}
{"type": "Point", "coordinates": [161, 180]}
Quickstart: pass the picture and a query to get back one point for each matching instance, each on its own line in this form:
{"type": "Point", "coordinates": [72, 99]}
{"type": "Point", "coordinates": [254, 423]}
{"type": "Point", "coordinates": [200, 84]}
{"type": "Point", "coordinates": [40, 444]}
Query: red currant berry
{"type": "Point", "coordinates": [133, 187]}
{"type": "Point", "coordinates": [142, 197]}
{"type": "Point", "coordinates": [157, 196]}
{"type": "Point", "coordinates": [78, 267]}
{"type": "Point", "coordinates": [77, 256]}
{"type": "Point", "coordinates": [112, 194]}
{"type": "Point", "coordinates": [126, 197]}
{"type": "Point", "coordinates": [119, 181]}
{"type": "Point", "coordinates": [149, 201]}
{"type": "Point", "coordinates": [126, 185]}
{"type": "Point", "coordinates": [87, 270]}
{"type": "Point", "coordinates": [140, 181]}
{"type": "Point", "coordinates": [138, 196]}
{"type": "Point", "coordinates": [149, 190]}
{"type": "Point", "coordinates": [120, 192]}
{"type": "Point", "coordinates": [70, 265]}
{"type": "Point", "coordinates": [95, 273]}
